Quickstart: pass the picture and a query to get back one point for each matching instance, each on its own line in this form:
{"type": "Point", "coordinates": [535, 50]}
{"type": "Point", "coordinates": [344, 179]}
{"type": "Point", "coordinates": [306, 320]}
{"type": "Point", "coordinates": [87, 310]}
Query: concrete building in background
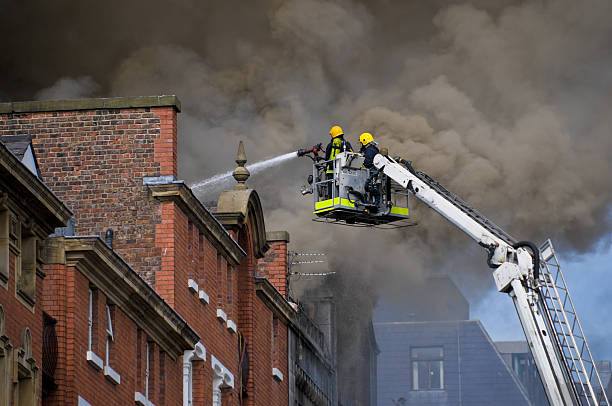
{"type": "Point", "coordinates": [344, 318]}
{"type": "Point", "coordinates": [312, 378]}
{"type": "Point", "coordinates": [431, 354]}
{"type": "Point", "coordinates": [517, 356]}
{"type": "Point", "coordinates": [147, 297]}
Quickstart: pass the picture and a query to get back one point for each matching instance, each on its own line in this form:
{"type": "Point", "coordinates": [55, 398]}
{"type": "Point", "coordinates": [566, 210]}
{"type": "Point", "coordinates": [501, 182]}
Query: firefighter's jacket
{"type": "Point", "coordinates": [369, 152]}
{"type": "Point", "coordinates": [335, 146]}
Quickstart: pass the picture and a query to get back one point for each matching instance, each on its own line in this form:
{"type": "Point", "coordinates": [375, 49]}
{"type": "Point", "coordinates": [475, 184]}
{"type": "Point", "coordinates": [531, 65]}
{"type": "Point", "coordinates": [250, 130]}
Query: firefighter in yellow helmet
{"type": "Point", "coordinates": [369, 149]}
{"type": "Point", "coordinates": [336, 145]}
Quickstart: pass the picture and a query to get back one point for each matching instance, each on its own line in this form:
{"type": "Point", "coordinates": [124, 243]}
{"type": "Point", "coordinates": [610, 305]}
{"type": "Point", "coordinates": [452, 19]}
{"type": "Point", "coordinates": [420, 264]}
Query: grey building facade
{"type": "Point", "coordinates": [443, 363]}
{"type": "Point", "coordinates": [312, 372]}
{"type": "Point", "coordinates": [432, 354]}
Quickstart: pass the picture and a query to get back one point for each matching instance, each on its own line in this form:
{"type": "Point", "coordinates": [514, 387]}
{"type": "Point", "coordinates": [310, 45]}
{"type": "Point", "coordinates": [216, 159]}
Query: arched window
{"type": "Point", "coordinates": [27, 376]}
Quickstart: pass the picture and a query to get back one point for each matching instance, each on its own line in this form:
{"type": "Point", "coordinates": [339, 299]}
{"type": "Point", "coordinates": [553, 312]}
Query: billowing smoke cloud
{"type": "Point", "coordinates": [505, 104]}
{"type": "Point", "coordinates": [68, 88]}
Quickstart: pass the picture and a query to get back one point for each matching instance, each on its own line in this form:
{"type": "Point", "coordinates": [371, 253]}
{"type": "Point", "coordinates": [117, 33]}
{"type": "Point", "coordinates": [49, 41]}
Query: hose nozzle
{"type": "Point", "coordinates": [314, 150]}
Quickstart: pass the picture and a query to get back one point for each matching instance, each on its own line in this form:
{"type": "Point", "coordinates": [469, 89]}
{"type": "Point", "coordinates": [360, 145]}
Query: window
{"type": "Point", "coordinates": [25, 391]}
{"type": "Point", "coordinates": [147, 368]}
{"type": "Point", "coordinates": [146, 359]}
{"type": "Point", "coordinates": [229, 284]}
{"type": "Point", "coordinates": [221, 285]}
{"type": "Point", "coordinates": [275, 347]}
{"type": "Point", "coordinates": [275, 350]}
{"type": "Point", "coordinates": [110, 337]}
{"type": "Point", "coordinates": [4, 362]}
{"type": "Point", "coordinates": [191, 251]}
{"type": "Point", "coordinates": [4, 247]}
{"type": "Point", "coordinates": [109, 372]}
{"type": "Point", "coordinates": [162, 377]}
{"type": "Point", "coordinates": [427, 368]}
{"type": "Point", "coordinates": [201, 260]}
{"type": "Point", "coordinates": [90, 320]}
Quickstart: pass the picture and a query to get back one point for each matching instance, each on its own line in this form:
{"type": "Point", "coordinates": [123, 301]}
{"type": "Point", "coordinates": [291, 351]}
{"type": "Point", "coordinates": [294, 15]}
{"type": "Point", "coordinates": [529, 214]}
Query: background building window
{"type": "Point", "coordinates": [427, 368]}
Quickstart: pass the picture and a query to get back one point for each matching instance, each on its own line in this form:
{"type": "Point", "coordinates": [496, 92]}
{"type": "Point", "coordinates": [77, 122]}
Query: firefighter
{"type": "Point", "coordinates": [336, 145]}
{"type": "Point", "coordinates": [369, 149]}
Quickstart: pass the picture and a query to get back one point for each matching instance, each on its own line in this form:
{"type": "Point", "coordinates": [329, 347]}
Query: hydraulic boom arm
{"type": "Point", "coordinates": [516, 264]}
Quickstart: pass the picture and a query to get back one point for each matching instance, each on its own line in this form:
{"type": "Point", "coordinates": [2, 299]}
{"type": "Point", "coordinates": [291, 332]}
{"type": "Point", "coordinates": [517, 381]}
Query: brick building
{"type": "Point", "coordinates": [173, 313]}
{"type": "Point", "coordinates": [28, 213]}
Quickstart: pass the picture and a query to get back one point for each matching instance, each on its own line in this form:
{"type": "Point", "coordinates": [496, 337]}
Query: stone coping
{"type": "Point", "coordinates": [91, 104]}
{"type": "Point", "coordinates": [277, 236]}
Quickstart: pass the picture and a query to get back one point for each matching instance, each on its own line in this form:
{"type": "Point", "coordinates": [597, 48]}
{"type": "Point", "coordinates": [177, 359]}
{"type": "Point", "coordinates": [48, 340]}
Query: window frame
{"type": "Point", "coordinates": [147, 368]}
{"type": "Point", "coordinates": [90, 320]}
{"type": "Point", "coordinates": [422, 384]}
{"type": "Point", "coordinates": [110, 334]}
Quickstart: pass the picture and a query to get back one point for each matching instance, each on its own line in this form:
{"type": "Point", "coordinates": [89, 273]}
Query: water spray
{"type": "Point", "coordinates": [253, 169]}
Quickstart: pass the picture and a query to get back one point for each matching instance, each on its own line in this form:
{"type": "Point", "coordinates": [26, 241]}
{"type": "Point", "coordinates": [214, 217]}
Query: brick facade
{"type": "Point", "coordinates": [28, 213]}
{"type": "Point", "coordinates": [114, 163]}
{"type": "Point", "coordinates": [274, 265]}
{"type": "Point", "coordinates": [95, 159]}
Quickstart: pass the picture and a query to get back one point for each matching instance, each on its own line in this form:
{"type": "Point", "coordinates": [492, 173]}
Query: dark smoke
{"type": "Point", "coordinates": [505, 104]}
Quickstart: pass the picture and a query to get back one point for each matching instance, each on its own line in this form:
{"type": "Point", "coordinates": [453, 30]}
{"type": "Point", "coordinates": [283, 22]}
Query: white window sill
{"type": "Point", "coordinates": [277, 374]}
{"type": "Point", "coordinates": [203, 297]}
{"type": "Point", "coordinates": [141, 400]}
{"type": "Point", "coordinates": [94, 360]}
{"type": "Point", "coordinates": [111, 375]}
{"type": "Point", "coordinates": [221, 315]}
{"type": "Point", "coordinates": [231, 326]}
{"type": "Point", "coordinates": [192, 285]}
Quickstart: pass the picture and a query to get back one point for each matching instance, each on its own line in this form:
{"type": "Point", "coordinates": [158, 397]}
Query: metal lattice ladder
{"type": "Point", "coordinates": [564, 326]}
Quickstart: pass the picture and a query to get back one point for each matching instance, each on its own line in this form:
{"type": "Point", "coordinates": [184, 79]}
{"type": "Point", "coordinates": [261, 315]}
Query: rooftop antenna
{"type": "Point", "coordinates": [299, 258]}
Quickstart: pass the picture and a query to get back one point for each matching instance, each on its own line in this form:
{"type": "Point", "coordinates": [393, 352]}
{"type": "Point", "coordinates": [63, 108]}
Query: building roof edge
{"type": "Point", "coordinates": [90, 104]}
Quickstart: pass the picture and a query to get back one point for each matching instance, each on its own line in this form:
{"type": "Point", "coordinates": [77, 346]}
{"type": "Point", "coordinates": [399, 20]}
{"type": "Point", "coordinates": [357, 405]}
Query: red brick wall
{"type": "Point", "coordinates": [267, 390]}
{"type": "Point", "coordinates": [94, 160]}
{"type": "Point", "coordinates": [17, 316]}
{"type": "Point", "coordinates": [66, 299]}
{"type": "Point", "coordinates": [191, 256]}
{"type": "Point", "coordinates": [273, 265]}
{"type": "Point", "coordinates": [256, 323]}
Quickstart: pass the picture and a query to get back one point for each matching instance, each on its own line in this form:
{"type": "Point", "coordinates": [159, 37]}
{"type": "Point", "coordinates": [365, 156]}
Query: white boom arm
{"type": "Point", "coordinates": [514, 274]}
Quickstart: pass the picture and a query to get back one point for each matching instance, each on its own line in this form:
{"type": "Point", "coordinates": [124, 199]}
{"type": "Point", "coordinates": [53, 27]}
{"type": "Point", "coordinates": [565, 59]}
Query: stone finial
{"type": "Point", "coordinates": [241, 174]}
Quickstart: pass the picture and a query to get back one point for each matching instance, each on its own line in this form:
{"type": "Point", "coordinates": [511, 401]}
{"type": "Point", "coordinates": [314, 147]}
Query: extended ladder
{"type": "Point", "coordinates": [565, 328]}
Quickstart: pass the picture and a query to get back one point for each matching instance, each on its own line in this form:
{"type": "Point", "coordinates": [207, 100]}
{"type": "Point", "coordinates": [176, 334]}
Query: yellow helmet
{"type": "Point", "coordinates": [336, 131]}
{"type": "Point", "coordinates": [366, 138]}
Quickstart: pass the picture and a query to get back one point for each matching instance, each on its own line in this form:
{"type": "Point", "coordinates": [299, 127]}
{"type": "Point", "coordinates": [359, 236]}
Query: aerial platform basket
{"type": "Point", "coordinates": [344, 197]}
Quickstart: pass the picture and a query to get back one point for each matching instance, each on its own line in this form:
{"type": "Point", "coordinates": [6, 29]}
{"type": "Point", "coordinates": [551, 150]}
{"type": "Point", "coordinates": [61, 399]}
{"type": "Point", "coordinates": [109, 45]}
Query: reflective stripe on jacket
{"type": "Point", "coordinates": [336, 146]}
